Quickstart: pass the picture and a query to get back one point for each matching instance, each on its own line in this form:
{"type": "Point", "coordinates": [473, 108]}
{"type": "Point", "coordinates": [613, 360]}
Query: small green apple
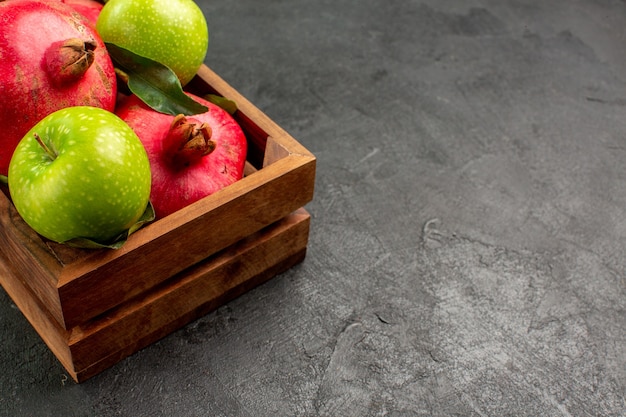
{"type": "Point", "coordinates": [171, 32]}
{"type": "Point", "coordinates": [80, 173]}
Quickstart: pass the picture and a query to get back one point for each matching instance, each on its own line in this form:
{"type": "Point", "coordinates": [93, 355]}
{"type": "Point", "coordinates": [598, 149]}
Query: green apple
{"type": "Point", "coordinates": [80, 173]}
{"type": "Point", "coordinates": [171, 32]}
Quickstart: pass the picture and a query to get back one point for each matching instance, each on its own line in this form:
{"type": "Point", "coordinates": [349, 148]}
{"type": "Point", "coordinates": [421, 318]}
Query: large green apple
{"type": "Point", "coordinates": [172, 32]}
{"type": "Point", "coordinates": [80, 173]}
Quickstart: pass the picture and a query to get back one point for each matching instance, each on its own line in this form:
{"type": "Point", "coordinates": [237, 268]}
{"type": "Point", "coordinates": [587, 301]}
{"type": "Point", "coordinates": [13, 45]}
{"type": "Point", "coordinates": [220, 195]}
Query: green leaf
{"type": "Point", "coordinates": [116, 243]}
{"type": "Point", "coordinates": [85, 243]}
{"type": "Point", "coordinates": [154, 83]}
{"type": "Point", "coordinates": [4, 179]}
{"type": "Point", "coordinates": [227, 104]}
{"type": "Point", "coordinates": [145, 218]}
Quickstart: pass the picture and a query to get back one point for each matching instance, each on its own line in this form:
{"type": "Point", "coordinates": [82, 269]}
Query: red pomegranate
{"type": "Point", "coordinates": [50, 58]}
{"type": "Point", "coordinates": [190, 157]}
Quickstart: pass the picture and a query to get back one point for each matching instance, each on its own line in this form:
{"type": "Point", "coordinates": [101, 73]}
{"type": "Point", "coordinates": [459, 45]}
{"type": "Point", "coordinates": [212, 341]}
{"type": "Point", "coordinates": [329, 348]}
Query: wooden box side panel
{"type": "Point", "coordinates": [204, 287]}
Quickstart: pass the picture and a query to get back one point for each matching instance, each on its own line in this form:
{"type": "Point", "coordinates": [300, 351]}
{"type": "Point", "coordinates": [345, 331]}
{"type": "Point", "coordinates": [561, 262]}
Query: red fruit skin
{"type": "Point", "coordinates": [88, 8]}
{"type": "Point", "coordinates": [28, 91]}
{"type": "Point", "coordinates": [174, 187]}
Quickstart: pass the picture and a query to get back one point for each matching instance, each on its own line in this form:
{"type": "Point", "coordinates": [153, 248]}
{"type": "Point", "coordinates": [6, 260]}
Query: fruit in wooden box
{"type": "Point", "coordinates": [172, 32]}
{"type": "Point", "coordinates": [93, 308]}
{"type": "Point", "coordinates": [190, 157]}
{"type": "Point", "coordinates": [80, 173]}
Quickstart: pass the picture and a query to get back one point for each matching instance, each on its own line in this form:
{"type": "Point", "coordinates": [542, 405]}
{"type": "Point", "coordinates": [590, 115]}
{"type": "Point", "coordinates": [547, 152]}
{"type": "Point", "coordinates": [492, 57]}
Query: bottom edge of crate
{"type": "Point", "coordinates": [89, 349]}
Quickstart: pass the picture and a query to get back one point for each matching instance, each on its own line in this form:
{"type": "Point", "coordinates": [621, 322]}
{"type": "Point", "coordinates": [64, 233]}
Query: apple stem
{"type": "Point", "coordinates": [51, 154]}
{"type": "Point", "coordinates": [187, 141]}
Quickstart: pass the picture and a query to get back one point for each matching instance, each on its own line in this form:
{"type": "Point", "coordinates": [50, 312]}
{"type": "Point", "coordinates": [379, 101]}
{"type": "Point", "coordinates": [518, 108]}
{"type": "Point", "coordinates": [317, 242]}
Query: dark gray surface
{"type": "Point", "coordinates": [468, 243]}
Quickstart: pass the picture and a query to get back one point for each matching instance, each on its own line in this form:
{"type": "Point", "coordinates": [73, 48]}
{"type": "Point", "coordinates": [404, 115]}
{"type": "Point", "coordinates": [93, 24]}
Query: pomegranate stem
{"type": "Point", "coordinates": [67, 61]}
{"type": "Point", "coordinates": [188, 141]}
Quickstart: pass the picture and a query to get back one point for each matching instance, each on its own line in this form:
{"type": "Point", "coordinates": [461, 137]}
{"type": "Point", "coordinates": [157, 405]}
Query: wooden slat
{"type": "Point", "coordinates": [201, 289]}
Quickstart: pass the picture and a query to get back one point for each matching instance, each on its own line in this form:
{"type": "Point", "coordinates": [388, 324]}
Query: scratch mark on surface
{"type": "Point", "coordinates": [340, 392]}
{"type": "Point", "coordinates": [433, 357]}
{"type": "Point", "coordinates": [381, 319]}
{"type": "Point", "coordinates": [431, 236]}
{"type": "Point", "coordinates": [372, 153]}
{"type": "Point", "coordinates": [615, 102]}
{"type": "Point", "coordinates": [560, 406]}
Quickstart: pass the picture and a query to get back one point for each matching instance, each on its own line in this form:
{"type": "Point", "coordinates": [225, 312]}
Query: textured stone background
{"type": "Point", "coordinates": [468, 243]}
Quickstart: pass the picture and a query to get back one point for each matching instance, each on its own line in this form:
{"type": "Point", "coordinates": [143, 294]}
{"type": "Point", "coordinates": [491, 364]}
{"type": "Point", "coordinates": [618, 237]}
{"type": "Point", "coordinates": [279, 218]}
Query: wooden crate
{"type": "Point", "coordinates": [95, 307]}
